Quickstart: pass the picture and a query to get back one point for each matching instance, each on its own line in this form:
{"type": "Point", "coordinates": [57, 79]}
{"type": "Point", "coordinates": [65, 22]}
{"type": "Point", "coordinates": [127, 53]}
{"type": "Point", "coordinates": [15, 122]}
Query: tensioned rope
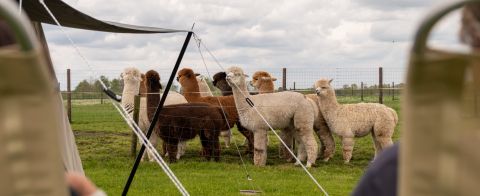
{"type": "Point", "coordinates": [124, 113]}
{"type": "Point", "coordinates": [271, 128]}
{"type": "Point", "coordinates": [249, 177]}
{"type": "Point", "coordinates": [20, 7]}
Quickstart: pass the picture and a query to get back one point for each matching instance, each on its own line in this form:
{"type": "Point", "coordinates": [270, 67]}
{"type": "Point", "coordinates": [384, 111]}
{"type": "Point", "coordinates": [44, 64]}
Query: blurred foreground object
{"type": "Point", "coordinates": [441, 133]}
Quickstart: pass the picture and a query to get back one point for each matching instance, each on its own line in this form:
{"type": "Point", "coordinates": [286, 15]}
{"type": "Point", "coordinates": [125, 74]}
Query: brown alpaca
{"type": "Point", "coordinates": [263, 82]}
{"type": "Point", "coordinates": [182, 122]}
{"type": "Point", "coordinates": [189, 83]}
{"type": "Point", "coordinates": [220, 82]}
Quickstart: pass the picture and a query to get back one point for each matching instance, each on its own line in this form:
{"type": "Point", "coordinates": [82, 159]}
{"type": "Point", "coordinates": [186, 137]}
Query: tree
{"type": "Point", "coordinates": [354, 86]}
{"type": "Point", "coordinates": [83, 86]}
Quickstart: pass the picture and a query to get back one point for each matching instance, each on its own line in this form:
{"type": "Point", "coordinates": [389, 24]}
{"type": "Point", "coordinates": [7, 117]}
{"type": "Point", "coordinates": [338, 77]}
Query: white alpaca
{"type": "Point", "coordinates": [356, 120]}
{"type": "Point", "coordinates": [283, 110]}
{"type": "Point", "coordinates": [206, 92]}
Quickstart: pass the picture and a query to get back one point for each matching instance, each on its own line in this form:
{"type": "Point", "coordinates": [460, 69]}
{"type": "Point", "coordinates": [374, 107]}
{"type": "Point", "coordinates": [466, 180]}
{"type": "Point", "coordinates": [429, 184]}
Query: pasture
{"type": "Point", "coordinates": [103, 141]}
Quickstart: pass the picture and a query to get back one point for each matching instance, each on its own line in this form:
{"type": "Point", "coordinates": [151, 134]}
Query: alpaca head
{"type": "Point", "coordinates": [260, 78]}
{"type": "Point", "coordinates": [186, 77]}
{"type": "Point", "coordinates": [220, 81]}
{"type": "Point", "coordinates": [324, 88]}
{"type": "Point", "coordinates": [131, 76]}
{"type": "Point", "coordinates": [152, 81]}
{"type": "Point", "coordinates": [235, 77]}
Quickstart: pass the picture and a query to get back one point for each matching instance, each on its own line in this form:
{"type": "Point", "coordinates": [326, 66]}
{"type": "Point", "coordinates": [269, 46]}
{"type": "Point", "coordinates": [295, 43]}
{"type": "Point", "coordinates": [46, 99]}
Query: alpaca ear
{"type": "Point", "coordinates": [197, 74]}
{"type": "Point", "coordinates": [246, 75]}
{"type": "Point", "coordinates": [274, 79]}
{"type": "Point", "coordinates": [330, 81]}
{"type": "Point", "coordinates": [121, 75]}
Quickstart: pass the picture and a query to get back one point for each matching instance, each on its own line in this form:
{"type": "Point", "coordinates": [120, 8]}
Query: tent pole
{"type": "Point", "coordinates": [157, 113]}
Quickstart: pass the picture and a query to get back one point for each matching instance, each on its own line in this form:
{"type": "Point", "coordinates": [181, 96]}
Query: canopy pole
{"type": "Point", "coordinates": [157, 113]}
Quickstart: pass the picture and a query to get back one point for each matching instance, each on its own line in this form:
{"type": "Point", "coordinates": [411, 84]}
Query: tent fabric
{"type": "Point", "coordinates": [70, 17]}
{"type": "Point", "coordinates": [30, 155]}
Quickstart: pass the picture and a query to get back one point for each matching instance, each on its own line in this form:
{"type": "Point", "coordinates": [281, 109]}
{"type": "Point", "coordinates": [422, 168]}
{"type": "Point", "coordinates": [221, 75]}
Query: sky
{"type": "Point", "coordinates": [308, 37]}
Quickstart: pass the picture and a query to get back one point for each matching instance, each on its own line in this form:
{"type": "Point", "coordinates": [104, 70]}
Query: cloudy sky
{"type": "Point", "coordinates": [255, 34]}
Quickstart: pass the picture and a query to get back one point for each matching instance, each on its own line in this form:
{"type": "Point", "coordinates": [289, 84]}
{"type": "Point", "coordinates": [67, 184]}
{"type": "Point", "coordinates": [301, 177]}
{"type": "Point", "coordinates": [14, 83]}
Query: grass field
{"type": "Point", "coordinates": [103, 140]}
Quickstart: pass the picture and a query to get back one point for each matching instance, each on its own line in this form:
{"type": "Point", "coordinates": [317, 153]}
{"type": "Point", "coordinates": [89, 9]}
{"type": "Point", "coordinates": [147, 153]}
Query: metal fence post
{"type": "Point", "coordinates": [380, 85]}
{"type": "Point", "coordinates": [136, 111]}
{"type": "Point", "coordinates": [69, 97]}
{"type": "Point", "coordinates": [284, 79]}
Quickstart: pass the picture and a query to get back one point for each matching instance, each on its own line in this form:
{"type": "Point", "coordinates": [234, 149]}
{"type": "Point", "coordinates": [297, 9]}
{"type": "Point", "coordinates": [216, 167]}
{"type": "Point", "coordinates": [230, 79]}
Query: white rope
{"type": "Point", "coordinates": [271, 128]}
{"type": "Point", "coordinates": [20, 7]}
{"type": "Point", "coordinates": [124, 115]}
{"type": "Point", "coordinates": [249, 177]}
{"type": "Point", "coordinates": [150, 148]}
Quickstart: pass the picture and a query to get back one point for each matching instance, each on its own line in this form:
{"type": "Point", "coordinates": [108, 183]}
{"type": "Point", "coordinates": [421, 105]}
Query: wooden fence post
{"type": "Point", "coordinates": [284, 79]}
{"type": "Point", "coordinates": [361, 91]}
{"type": "Point", "coordinates": [136, 111]}
{"type": "Point", "coordinates": [393, 90]}
{"type": "Point", "coordinates": [69, 97]}
{"type": "Point", "coordinates": [380, 85]}
{"type": "Point", "coordinates": [294, 86]}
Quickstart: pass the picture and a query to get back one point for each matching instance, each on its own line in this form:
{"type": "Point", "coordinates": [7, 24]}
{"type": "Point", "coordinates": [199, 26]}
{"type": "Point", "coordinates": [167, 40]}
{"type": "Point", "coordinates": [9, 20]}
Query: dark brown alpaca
{"type": "Point", "coordinates": [220, 82]}
{"type": "Point", "coordinates": [189, 83]}
{"type": "Point", "coordinates": [183, 122]}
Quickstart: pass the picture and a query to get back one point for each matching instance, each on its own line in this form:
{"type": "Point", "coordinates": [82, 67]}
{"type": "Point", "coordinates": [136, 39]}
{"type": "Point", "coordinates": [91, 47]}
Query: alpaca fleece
{"type": "Point", "coordinates": [182, 122]}
{"type": "Point", "coordinates": [190, 87]}
{"type": "Point", "coordinates": [283, 110]}
{"type": "Point", "coordinates": [263, 82]}
{"type": "Point", "coordinates": [356, 120]}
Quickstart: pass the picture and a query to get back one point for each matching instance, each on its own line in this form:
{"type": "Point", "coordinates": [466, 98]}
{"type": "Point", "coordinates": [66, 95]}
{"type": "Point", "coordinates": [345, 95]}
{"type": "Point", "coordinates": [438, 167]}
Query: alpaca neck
{"type": "Point", "coordinates": [129, 92]}
{"type": "Point", "coordinates": [329, 102]}
{"type": "Point", "coordinates": [191, 91]}
{"type": "Point", "coordinates": [265, 88]}
{"type": "Point", "coordinates": [153, 99]}
{"type": "Point", "coordinates": [240, 93]}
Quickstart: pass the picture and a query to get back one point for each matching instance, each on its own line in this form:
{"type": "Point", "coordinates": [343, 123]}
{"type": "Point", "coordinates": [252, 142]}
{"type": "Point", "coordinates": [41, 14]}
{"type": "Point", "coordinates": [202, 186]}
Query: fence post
{"type": "Point", "coordinates": [294, 86]}
{"type": "Point", "coordinates": [136, 111]}
{"type": "Point", "coordinates": [361, 91]}
{"type": "Point", "coordinates": [380, 85]}
{"type": "Point", "coordinates": [284, 79]}
{"type": "Point", "coordinates": [393, 91]}
{"type": "Point", "coordinates": [69, 97]}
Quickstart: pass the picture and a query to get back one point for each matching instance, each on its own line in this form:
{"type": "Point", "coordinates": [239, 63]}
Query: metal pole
{"type": "Point", "coordinates": [136, 111]}
{"type": "Point", "coordinates": [380, 85]}
{"type": "Point", "coordinates": [393, 90]}
{"type": "Point", "coordinates": [294, 86]}
{"type": "Point", "coordinates": [69, 97]}
{"type": "Point", "coordinates": [284, 79]}
{"type": "Point", "coordinates": [157, 113]}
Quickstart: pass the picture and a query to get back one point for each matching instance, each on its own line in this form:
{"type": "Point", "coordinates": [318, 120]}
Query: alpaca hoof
{"type": "Point", "coordinates": [297, 163]}
{"type": "Point", "coordinates": [326, 159]}
{"type": "Point", "coordinates": [346, 162]}
{"type": "Point", "coordinates": [309, 165]}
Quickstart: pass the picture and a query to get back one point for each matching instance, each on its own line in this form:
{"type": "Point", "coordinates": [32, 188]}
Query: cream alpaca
{"type": "Point", "coordinates": [263, 82]}
{"type": "Point", "coordinates": [283, 110]}
{"type": "Point", "coordinates": [205, 92]}
{"type": "Point", "coordinates": [356, 120]}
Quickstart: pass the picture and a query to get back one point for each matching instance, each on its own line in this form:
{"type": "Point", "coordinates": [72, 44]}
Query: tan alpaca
{"type": "Point", "coordinates": [263, 82]}
{"type": "Point", "coordinates": [283, 110]}
{"type": "Point", "coordinates": [356, 120]}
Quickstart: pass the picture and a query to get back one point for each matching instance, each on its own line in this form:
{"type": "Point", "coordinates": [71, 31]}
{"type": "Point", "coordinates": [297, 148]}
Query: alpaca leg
{"type": "Point", "coordinates": [287, 136]}
{"type": "Point", "coordinates": [182, 146]}
{"type": "Point", "coordinates": [311, 146]}
{"type": "Point", "coordinates": [347, 144]}
{"type": "Point", "coordinates": [207, 146]}
{"type": "Point", "coordinates": [260, 150]}
{"type": "Point", "coordinates": [226, 137]}
{"type": "Point", "coordinates": [154, 140]}
{"type": "Point", "coordinates": [172, 150]}
{"type": "Point", "coordinates": [382, 142]}
{"type": "Point", "coordinates": [249, 135]}
{"type": "Point", "coordinates": [327, 144]}
{"type": "Point", "coordinates": [301, 151]}
{"type": "Point", "coordinates": [216, 149]}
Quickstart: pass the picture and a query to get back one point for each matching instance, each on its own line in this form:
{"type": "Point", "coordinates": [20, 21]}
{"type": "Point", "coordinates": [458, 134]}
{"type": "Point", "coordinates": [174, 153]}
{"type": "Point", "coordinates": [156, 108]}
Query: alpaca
{"type": "Point", "coordinates": [356, 120]}
{"type": "Point", "coordinates": [221, 83]}
{"type": "Point", "coordinates": [282, 110]}
{"type": "Point", "coordinates": [131, 79]}
{"type": "Point", "coordinates": [186, 78]}
{"type": "Point", "coordinates": [205, 92]}
{"type": "Point", "coordinates": [144, 122]}
{"type": "Point", "coordinates": [263, 82]}
{"type": "Point", "coordinates": [182, 122]}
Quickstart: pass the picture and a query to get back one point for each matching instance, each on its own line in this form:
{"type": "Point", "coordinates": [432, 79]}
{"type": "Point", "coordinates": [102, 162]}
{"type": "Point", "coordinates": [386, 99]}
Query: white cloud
{"type": "Point", "coordinates": [256, 34]}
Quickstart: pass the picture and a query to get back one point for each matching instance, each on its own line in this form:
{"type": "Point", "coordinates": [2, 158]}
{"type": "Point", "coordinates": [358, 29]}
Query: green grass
{"type": "Point", "coordinates": [104, 142]}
